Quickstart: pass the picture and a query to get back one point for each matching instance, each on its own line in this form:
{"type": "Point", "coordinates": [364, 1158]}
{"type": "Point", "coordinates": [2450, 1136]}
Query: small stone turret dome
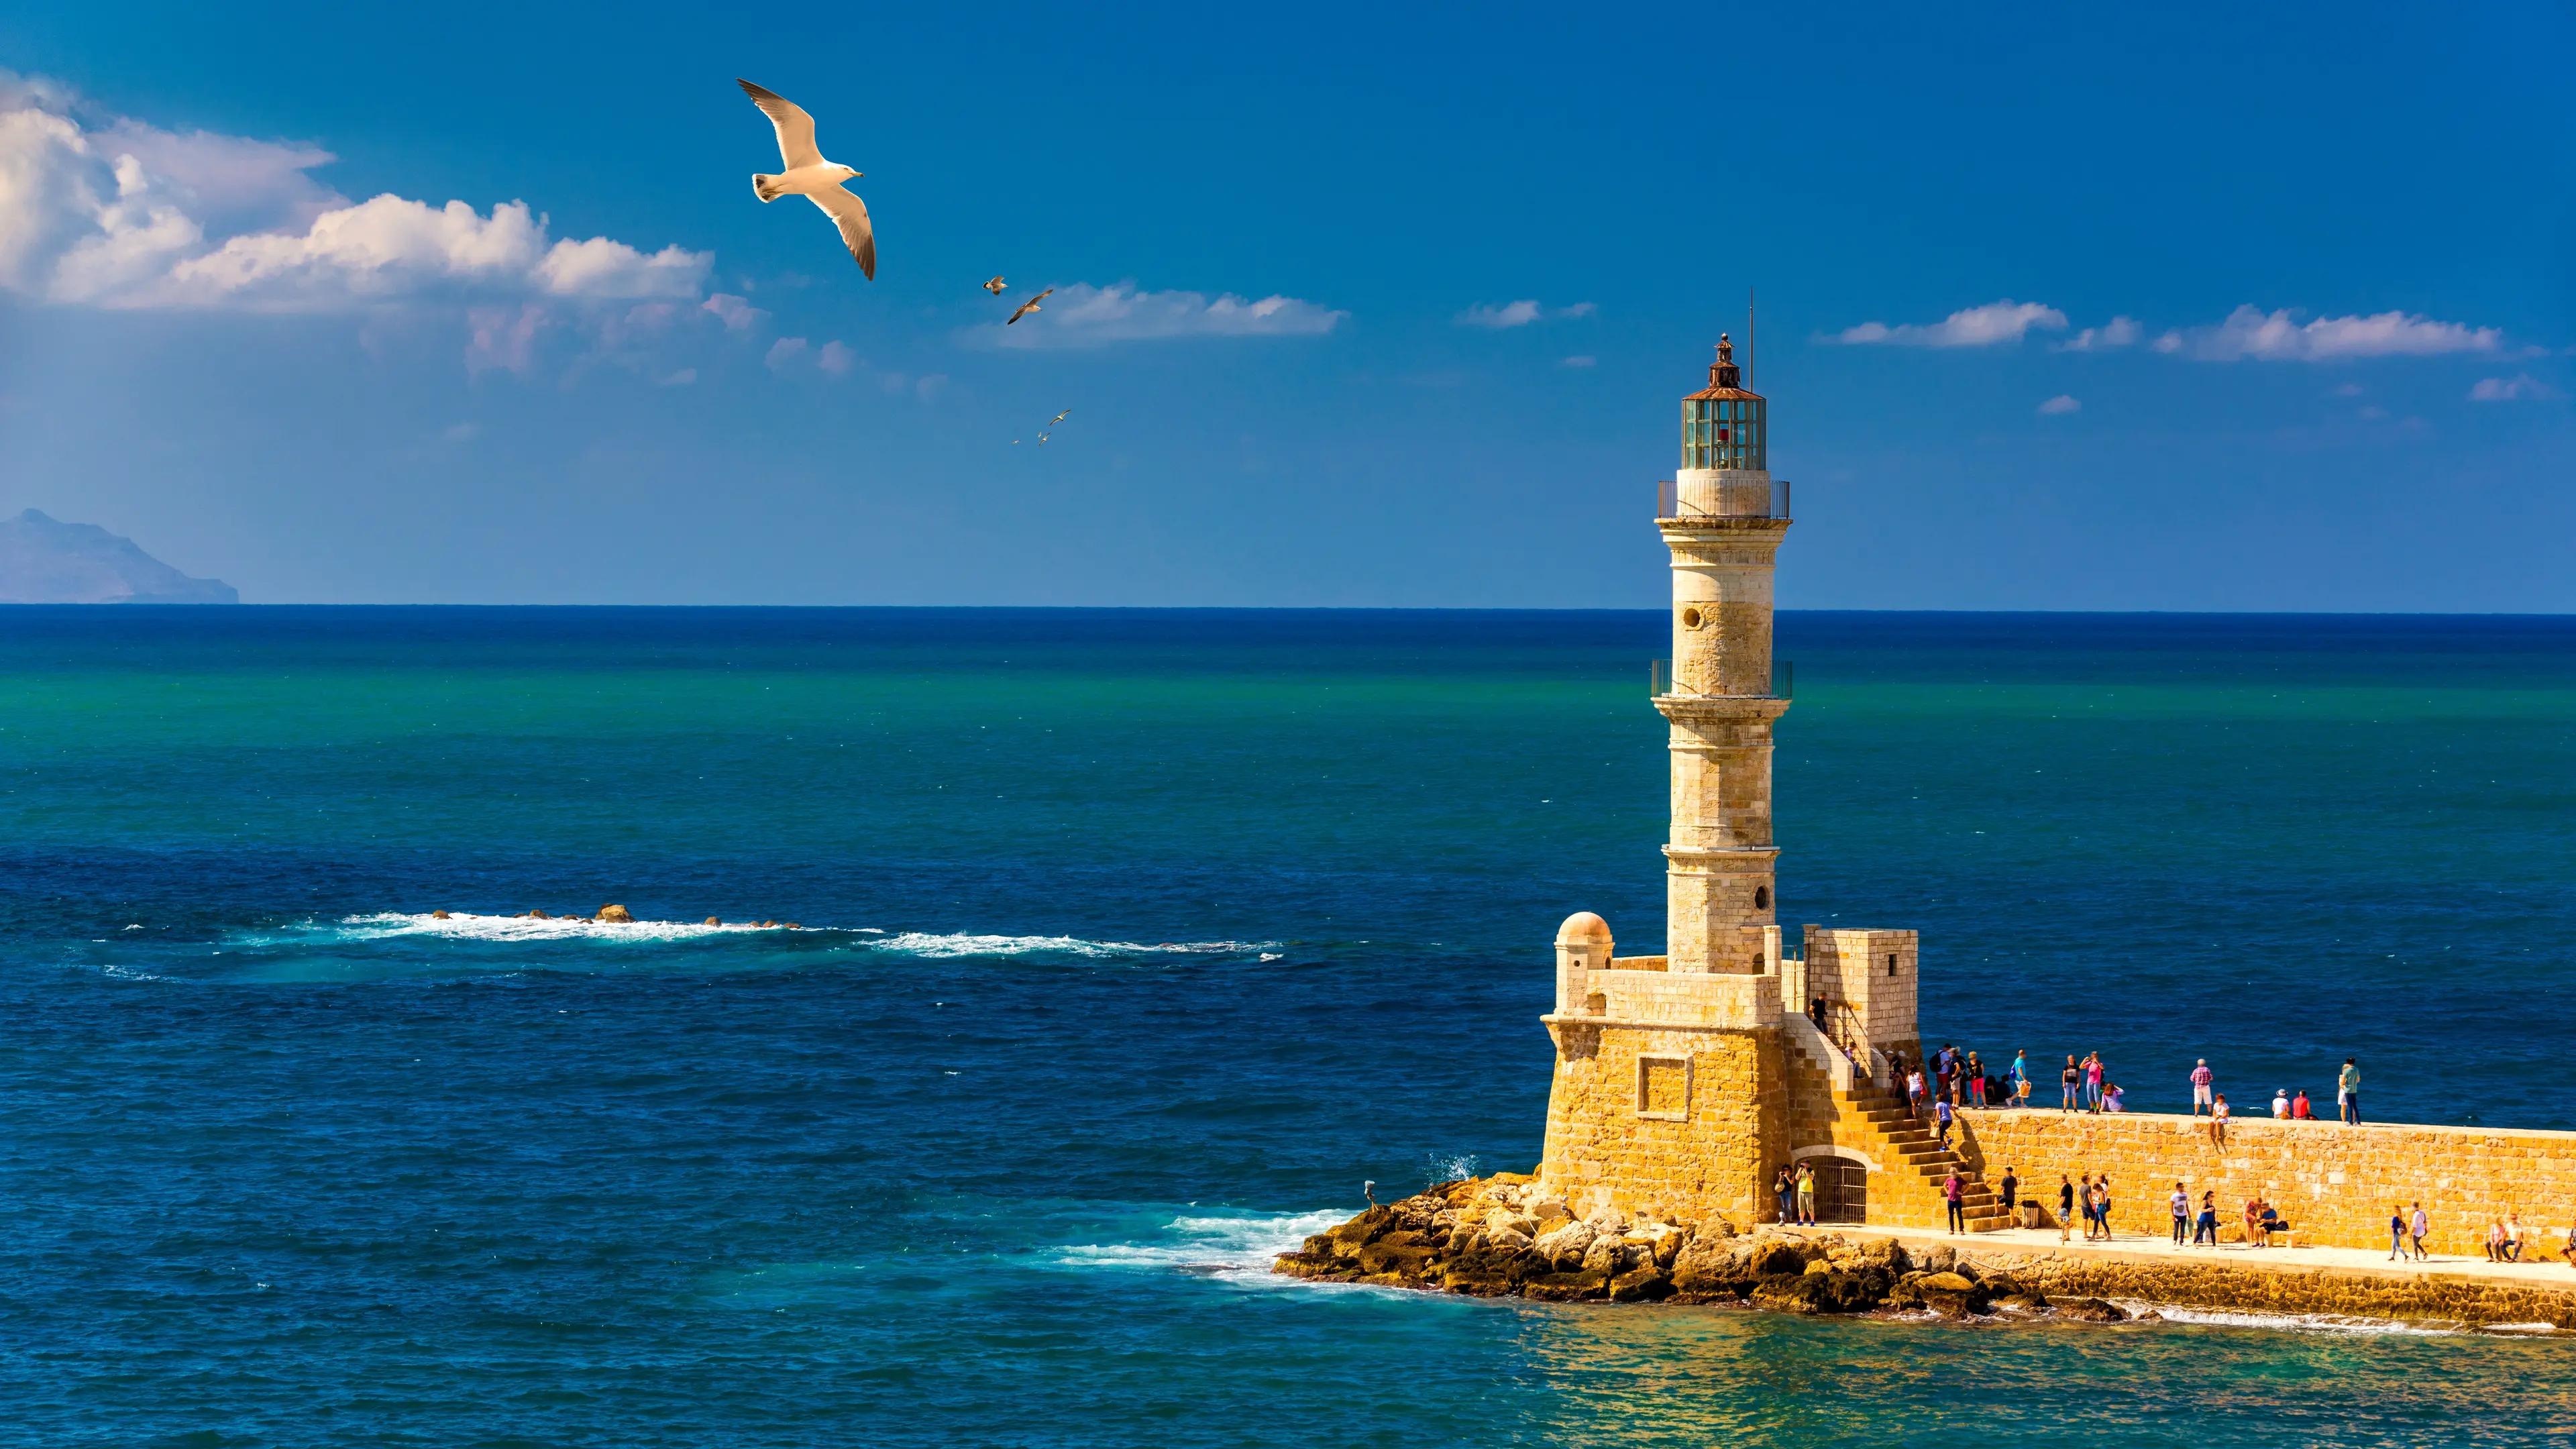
{"type": "Point", "coordinates": [1583, 929]}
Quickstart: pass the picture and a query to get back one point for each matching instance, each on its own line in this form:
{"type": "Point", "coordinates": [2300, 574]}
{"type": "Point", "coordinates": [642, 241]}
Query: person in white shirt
{"type": "Point", "coordinates": [2280, 1101]}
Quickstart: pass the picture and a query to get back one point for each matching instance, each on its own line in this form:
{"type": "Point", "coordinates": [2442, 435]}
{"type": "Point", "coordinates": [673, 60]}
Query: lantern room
{"type": "Point", "coordinates": [1722, 424]}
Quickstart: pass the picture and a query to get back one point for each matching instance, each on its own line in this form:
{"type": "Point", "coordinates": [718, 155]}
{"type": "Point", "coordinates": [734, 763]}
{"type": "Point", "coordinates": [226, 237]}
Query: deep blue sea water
{"type": "Point", "coordinates": [1132, 942]}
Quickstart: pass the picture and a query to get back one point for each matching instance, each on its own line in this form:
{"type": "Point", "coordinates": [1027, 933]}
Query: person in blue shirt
{"type": "Point", "coordinates": [2021, 1079]}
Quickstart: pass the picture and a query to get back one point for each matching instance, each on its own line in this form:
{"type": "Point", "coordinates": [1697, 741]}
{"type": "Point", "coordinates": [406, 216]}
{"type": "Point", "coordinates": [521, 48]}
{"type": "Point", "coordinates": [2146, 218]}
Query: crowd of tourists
{"type": "Point", "coordinates": [1953, 1081]}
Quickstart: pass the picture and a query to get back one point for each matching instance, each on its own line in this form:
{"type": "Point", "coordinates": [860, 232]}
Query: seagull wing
{"type": "Point", "coordinates": [851, 215]}
{"type": "Point", "coordinates": [795, 128]}
{"type": "Point", "coordinates": [1031, 305]}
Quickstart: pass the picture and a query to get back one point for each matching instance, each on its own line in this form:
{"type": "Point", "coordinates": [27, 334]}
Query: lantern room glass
{"type": "Point", "coordinates": [1723, 432]}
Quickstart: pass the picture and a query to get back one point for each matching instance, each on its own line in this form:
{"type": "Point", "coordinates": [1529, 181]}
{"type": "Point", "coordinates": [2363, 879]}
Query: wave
{"type": "Point", "coordinates": [2294, 1322]}
{"type": "Point", "coordinates": [466, 926]}
{"type": "Point", "coordinates": [1239, 1248]}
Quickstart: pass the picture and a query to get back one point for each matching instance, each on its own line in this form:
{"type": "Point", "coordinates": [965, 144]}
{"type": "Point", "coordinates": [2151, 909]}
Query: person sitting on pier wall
{"type": "Point", "coordinates": [2569, 1252]}
{"type": "Point", "coordinates": [2495, 1242]}
{"type": "Point", "coordinates": [2115, 1100]}
{"type": "Point", "coordinates": [2272, 1222]}
{"type": "Point", "coordinates": [2302, 1110]}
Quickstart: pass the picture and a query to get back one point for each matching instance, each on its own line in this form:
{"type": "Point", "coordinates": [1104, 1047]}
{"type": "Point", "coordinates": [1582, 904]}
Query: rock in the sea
{"type": "Point", "coordinates": [438, 915]}
{"type": "Point", "coordinates": [1951, 1294]}
{"type": "Point", "coordinates": [712, 921]}
{"type": "Point", "coordinates": [614, 913]}
{"type": "Point", "coordinates": [1640, 1285]}
{"type": "Point", "coordinates": [1566, 1287]}
{"type": "Point", "coordinates": [1713, 1268]}
{"type": "Point", "coordinates": [2091, 1310]}
{"type": "Point", "coordinates": [1564, 1245]}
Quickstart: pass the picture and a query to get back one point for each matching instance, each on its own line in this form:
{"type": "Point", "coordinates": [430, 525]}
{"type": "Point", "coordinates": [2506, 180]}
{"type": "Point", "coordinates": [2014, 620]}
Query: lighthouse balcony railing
{"type": "Point", "coordinates": [1751, 498]}
{"type": "Point", "coordinates": [1784, 679]}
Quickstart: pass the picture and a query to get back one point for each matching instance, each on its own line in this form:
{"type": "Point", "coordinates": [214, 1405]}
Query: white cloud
{"type": "Point", "coordinates": [1520, 314]}
{"type": "Point", "coordinates": [2278, 337]}
{"type": "Point", "coordinates": [798, 356]}
{"type": "Point", "coordinates": [2350, 389]}
{"type": "Point", "coordinates": [2118, 332]}
{"type": "Point", "coordinates": [2004, 321]}
{"type": "Point", "coordinates": [1081, 315]}
{"type": "Point", "coordinates": [122, 214]}
{"type": "Point", "coordinates": [2520, 386]}
{"type": "Point", "coordinates": [2059, 406]}
{"type": "Point", "coordinates": [1583, 359]}
{"type": "Point", "coordinates": [736, 314]}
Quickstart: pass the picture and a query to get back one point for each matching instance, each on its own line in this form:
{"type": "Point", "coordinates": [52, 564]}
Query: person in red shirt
{"type": "Point", "coordinates": [2300, 1111]}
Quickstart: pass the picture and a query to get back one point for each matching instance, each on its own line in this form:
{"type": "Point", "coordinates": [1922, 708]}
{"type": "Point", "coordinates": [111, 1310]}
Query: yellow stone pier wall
{"type": "Point", "coordinates": [2331, 1181]}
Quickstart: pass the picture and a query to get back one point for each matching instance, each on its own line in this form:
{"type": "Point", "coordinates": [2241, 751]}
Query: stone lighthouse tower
{"type": "Point", "coordinates": [1724, 533]}
{"type": "Point", "coordinates": [1684, 1081]}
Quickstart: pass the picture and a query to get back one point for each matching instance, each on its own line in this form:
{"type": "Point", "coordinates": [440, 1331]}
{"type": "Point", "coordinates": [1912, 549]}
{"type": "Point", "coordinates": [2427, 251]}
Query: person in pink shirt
{"type": "Point", "coordinates": [2202, 1080]}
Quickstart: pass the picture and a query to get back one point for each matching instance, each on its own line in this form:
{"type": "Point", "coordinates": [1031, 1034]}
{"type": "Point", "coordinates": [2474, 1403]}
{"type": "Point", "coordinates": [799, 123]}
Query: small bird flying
{"type": "Point", "coordinates": [810, 176]}
{"type": "Point", "coordinates": [995, 286]}
{"type": "Point", "coordinates": [1031, 305]}
{"type": "Point", "coordinates": [1060, 417]}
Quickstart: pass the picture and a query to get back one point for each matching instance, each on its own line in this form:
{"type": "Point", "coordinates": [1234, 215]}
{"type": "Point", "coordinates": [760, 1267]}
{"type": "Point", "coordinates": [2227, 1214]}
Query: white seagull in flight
{"type": "Point", "coordinates": [809, 175]}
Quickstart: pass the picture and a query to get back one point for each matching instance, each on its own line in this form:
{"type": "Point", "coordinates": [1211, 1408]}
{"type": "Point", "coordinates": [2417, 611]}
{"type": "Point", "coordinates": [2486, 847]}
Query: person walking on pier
{"type": "Point", "coordinates": [1954, 1192]}
{"type": "Point", "coordinates": [2180, 1202]}
{"type": "Point", "coordinates": [2419, 1227]}
{"type": "Point", "coordinates": [2348, 1092]}
{"type": "Point", "coordinates": [2011, 1187]}
{"type": "Point", "coordinates": [2206, 1229]}
{"type": "Point", "coordinates": [2066, 1213]}
{"type": "Point", "coordinates": [2102, 1205]}
{"type": "Point", "coordinates": [1914, 1091]}
{"type": "Point", "coordinates": [2396, 1232]}
{"type": "Point", "coordinates": [1941, 1114]}
{"type": "Point", "coordinates": [2068, 1078]}
{"type": "Point", "coordinates": [2020, 1078]}
{"type": "Point", "coordinates": [2202, 1079]}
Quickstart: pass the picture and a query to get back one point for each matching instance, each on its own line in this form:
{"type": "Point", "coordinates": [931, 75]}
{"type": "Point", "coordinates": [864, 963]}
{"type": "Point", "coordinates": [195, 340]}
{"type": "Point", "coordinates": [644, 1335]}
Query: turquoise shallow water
{"type": "Point", "coordinates": [1134, 941]}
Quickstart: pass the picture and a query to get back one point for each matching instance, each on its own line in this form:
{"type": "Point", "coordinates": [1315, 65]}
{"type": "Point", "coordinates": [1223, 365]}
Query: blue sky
{"type": "Point", "coordinates": [2175, 309]}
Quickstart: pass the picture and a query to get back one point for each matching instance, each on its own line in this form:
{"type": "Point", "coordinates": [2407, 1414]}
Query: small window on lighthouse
{"type": "Point", "coordinates": [1762, 899]}
{"type": "Point", "coordinates": [1891, 965]}
{"type": "Point", "coordinates": [1690, 618]}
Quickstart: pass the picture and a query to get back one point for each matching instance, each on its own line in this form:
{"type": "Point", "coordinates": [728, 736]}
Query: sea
{"type": "Point", "coordinates": [1128, 946]}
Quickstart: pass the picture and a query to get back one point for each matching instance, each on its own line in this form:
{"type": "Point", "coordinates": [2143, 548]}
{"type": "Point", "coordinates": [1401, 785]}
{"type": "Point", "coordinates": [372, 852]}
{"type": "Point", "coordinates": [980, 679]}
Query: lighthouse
{"type": "Point", "coordinates": [1724, 526]}
{"type": "Point", "coordinates": [1684, 1082]}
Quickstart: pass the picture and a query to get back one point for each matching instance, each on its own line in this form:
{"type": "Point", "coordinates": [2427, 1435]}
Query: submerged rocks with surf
{"type": "Point", "coordinates": [1502, 1236]}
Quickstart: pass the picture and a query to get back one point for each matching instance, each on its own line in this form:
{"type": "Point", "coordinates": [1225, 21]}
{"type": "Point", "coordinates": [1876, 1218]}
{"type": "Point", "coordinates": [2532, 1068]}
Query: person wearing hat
{"type": "Point", "coordinates": [2280, 1101]}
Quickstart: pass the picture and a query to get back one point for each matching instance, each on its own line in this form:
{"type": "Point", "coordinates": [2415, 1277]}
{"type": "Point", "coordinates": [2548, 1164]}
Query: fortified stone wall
{"type": "Point", "coordinates": [2329, 1180]}
{"type": "Point", "coordinates": [1672, 1120]}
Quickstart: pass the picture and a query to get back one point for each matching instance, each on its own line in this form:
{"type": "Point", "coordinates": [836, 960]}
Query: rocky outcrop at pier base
{"type": "Point", "coordinates": [1502, 1236]}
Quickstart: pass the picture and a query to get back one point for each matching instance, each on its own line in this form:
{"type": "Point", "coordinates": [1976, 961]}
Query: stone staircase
{"type": "Point", "coordinates": [1873, 1119]}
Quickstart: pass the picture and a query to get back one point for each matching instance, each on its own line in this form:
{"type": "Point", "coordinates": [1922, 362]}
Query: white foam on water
{"type": "Point", "coordinates": [2290, 1322]}
{"type": "Point", "coordinates": [922, 943]}
{"type": "Point", "coordinates": [1233, 1247]}
{"type": "Point", "coordinates": [130, 973]}
{"type": "Point", "coordinates": [465, 926]}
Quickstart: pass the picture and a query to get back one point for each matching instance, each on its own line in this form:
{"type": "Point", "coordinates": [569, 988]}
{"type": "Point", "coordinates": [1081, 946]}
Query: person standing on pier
{"type": "Point", "coordinates": [2202, 1081]}
{"type": "Point", "coordinates": [2068, 1079]}
{"type": "Point", "coordinates": [2206, 1229]}
{"type": "Point", "coordinates": [2419, 1227]}
{"type": "Point", "coordinates": [1976, 1081]}
{"type": "Point", "coordinates": [2012, 1194]}
{"type": "Point", "coordinates": [2348, 1092]}
{"type": "Point", "coordinates": [2066, 1212]}
{"type": "Point", "coordinates": [2093, 1081]}
{"type": "Point", "coordinates": [1954, 1192]}
{"type": "Point", "coordinates": [2021, 1079]}
{"type": "Point", "coordinates": [2180, 1202]}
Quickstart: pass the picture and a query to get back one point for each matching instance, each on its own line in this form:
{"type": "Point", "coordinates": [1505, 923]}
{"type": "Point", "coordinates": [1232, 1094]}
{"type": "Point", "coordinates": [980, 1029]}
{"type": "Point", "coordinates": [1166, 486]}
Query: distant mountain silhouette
{"type": "Point", "coordinates": [44, 562]}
